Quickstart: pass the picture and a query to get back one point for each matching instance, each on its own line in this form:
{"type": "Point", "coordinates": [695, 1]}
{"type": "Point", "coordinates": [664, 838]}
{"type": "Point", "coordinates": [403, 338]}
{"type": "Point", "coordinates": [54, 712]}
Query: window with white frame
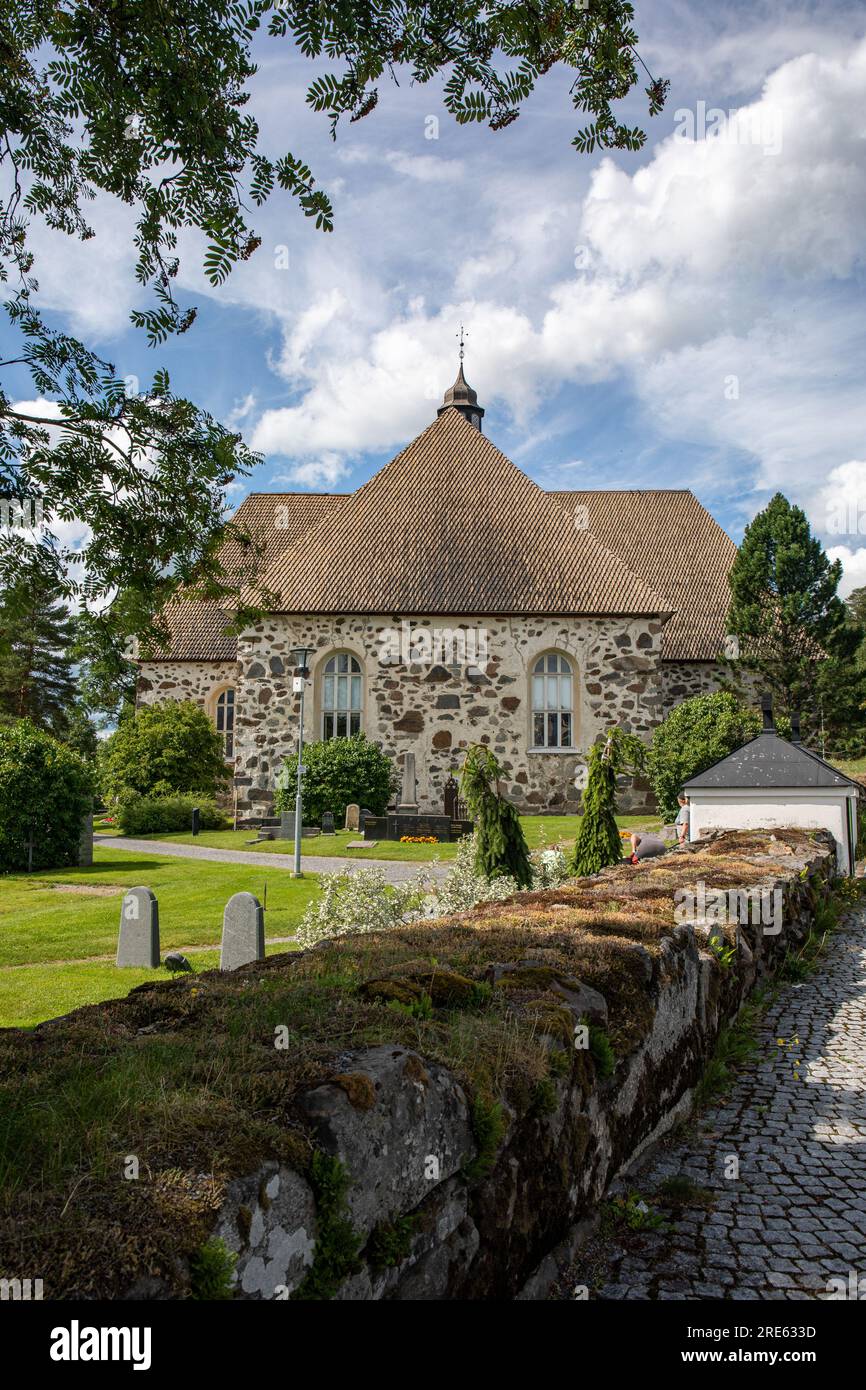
{"type": "Point", "coordinates": [342, 696]}
{"type": "Point", "coordinates": [552, 702]}
{"type": "Point", "coordinates": [225, 720]}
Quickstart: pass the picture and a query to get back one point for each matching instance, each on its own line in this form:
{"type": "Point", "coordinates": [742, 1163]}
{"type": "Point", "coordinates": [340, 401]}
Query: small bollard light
{"type": "Point", "coordinates": [196, 817]}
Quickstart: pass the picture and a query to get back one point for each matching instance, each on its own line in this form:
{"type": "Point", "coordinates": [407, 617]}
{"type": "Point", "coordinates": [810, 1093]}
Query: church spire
{"type": "Point", "coordinates": [461, 396]}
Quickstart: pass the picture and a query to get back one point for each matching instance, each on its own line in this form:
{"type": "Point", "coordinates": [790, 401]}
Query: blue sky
{"type": "Point", "coordinates": [691, 316]}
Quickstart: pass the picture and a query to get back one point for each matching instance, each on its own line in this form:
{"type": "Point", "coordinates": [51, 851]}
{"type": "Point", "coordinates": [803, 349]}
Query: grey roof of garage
{"type": "Point", "coordinates": [767, 762]}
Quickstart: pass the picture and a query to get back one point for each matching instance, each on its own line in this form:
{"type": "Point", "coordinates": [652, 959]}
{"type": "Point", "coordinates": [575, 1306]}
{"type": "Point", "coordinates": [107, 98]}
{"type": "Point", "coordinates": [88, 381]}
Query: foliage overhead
{"type": "Point", "coordinates": [147, 104]}
{"type": "Point", "coordinates": [598, 842]}
{"type": "Point", "coordinates": [163, 748]}
{"type": "Point", "coordinates": [45, 790]}
{"type": "Point", "coordinates": [501, 849]}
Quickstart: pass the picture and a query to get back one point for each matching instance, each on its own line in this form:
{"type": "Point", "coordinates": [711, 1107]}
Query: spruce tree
{"type": "Point", "coordinates": [784, 605]}
{"type": "Point", "coordinates": [502, 847]}
{"type": "Point", "coordinates": [598, 841]}
{"type": "Point", "coordinates": [37, 677]}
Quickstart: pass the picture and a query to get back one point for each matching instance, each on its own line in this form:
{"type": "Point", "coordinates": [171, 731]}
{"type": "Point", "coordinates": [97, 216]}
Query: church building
{"type": "Point", "coordinates": [451, 600]}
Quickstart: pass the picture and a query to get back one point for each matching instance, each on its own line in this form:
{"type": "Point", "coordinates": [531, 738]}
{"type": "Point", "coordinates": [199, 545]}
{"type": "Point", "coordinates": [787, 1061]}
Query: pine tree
{"type": "Point", "coordinates": [37, 678]}
{"type": "Point", "coordinates": [502, 847]}
{"type": "Point", "coordinates": [598, 842]}
{"type": "Point", "coordinates": [784, 605]}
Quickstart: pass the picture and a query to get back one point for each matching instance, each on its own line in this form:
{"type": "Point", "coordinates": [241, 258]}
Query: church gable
{"type": "Point", "coordinates": [453, 526]}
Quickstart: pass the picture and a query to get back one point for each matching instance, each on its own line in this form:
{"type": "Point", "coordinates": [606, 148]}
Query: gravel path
{"type": "Point", "coordinates": [396, 871]}
{"type": "Point", "coordinates": [794, 1218]}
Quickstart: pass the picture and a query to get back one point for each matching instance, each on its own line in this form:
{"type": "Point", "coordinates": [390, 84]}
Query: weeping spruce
{"type": "Point", "coordinates": [502, 847]}
{"type": "Point", "coordinates": [598, 841]}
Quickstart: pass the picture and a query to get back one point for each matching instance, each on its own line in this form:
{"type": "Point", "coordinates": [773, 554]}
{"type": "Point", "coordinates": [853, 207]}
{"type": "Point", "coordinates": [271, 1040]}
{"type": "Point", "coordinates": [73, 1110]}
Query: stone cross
{"type": "Point", "coordinates": [409, 791]}
{"type": "Point", "coordinates": [138, 941]}
{"type": "Point", "coordinates": [243, 932]}
{"type": "Point", "coordinates": [353, 816]}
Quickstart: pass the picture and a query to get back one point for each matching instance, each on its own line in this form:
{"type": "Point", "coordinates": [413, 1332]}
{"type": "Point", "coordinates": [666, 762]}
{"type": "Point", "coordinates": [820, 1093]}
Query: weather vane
{"type": "Point", "coordinates": [461, 335]}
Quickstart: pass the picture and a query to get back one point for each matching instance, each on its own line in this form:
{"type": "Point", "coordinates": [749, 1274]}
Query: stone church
{"type": "Point", "coordinates": [452, 600]}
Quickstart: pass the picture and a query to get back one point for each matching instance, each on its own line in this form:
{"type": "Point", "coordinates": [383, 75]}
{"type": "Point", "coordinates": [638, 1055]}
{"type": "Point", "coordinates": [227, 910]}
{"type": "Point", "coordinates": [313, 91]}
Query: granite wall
{"type": "Point", "coordinates": [436, 707]}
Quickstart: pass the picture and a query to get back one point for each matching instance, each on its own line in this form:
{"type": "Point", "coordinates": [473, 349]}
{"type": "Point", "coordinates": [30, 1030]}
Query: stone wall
{"type": "Point", "coordinates": [494, 1239]}
{"type": "Point", "coordinates": [437, 708]}
{"type": "Point", "coordinates": [183, 680]}
{"type": "Point", "coordinates": [401, 1126]}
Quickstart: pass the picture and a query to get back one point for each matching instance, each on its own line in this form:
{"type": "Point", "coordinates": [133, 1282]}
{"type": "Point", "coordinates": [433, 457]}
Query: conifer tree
{"type": "Point", "coordinates": [598, 842]}
{"type": "Point", "coordinates": [502, 847]}
{"type": "Point", "coordinates": [37, 679]}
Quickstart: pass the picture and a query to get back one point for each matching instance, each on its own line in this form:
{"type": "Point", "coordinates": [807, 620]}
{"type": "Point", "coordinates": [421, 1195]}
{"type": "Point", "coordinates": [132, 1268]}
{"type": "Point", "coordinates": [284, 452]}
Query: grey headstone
{"type": "Point", "coordinates": [243, 932]}
{"type": "Point", "coordinates": [85, 843]}
{"type": "Point", "coordinates": [138, 941]}
{"type": "Point", "coordinates": [328, 823]}
{"type": "Point", "coordinates": [353, 817]}
{"type": "Point", "coordinates": [409, 791]}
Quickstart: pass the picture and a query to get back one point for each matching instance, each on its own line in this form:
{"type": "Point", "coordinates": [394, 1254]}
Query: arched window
{"type": "Point", "coordinates": [342, 696]}
{"type": "Point", "coordinates": [552, 702]}
{"type": "Point", "coordinates": [225, 720]}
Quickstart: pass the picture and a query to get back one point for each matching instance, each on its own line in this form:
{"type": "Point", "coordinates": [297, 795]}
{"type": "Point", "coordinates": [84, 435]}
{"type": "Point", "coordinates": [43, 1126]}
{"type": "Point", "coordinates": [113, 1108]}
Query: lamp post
{"type": "Point", "coordinates": [299, 657]}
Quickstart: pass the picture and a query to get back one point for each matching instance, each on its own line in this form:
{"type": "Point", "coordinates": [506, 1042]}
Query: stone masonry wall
{"type": "Point", "coordinates": [183, 680]}
{"type": "Point", "coordinates": [435, 709]}
{"type": "Point", "coordinates": [390, 1112]}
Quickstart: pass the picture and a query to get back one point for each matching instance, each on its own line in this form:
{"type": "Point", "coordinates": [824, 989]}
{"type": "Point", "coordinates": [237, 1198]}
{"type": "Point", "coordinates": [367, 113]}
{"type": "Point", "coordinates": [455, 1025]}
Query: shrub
{"type": "Point", "coordinates": [151, 815]}
{"type": "Point", "coordinates": [164, 748]}
{"type": "Point", "coordinates": [501, 848]}
{"type": "Point", "coordinates": [361, 901]}
{"type": "Point", "coordinates": [339, 771]}
{"type": "Point", "coordinates": [465, 886]}
{"type": "Point", "coordinates": [45, 790]}
{"type": "Point", "coordinates": [598, 843]}
{"type": "Point", "coordinates": [697, 734]}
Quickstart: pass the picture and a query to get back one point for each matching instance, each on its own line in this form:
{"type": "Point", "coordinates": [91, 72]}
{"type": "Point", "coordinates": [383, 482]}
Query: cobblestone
{"type": "Point", "coordinates": [795, 1216]}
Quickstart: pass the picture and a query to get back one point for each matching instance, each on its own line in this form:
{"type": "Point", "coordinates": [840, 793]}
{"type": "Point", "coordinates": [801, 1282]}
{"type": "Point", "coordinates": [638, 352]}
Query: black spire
{"type": "Point", "coordinates": [461, 397]}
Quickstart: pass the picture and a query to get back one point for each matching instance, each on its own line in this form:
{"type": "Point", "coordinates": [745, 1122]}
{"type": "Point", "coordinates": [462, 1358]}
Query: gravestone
{"type": "Point", "coordinates": [243, 932]}
{"type": "Point", "coordinates": [409, 790]}
{"type": "Point", "coordinates": [138, 940]}
{"type": "Point", "coordinates": [353, 817]}
{"type": "Point", "coordinates": [85, 843]}
{"type": "Point", "coordinates": [328, 823]}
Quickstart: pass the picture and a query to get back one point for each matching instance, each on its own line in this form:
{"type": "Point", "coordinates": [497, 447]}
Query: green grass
{"type": "Point", "coordinates": [851, 767]}
{"type": "Point", "coordinates": [50, 941]}
{"type": "Point", "coordinates": [540, 831]}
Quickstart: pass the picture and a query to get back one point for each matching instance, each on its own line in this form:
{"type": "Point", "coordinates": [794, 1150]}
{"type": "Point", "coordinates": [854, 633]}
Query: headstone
{"type": "Point", "coordinates": [243, 932]}
{"type": "Point", "coordinates": [353, 817]}
{"type": "Point", "coordinates": [327, 823]}
{"type": "Point", "coordinates": [409, 790]}
{"type": "Point", "coordinates": [365, 815]}
{"type": "Point", "coordinates": [85, 843]}
{"type": "Point", "coordinates": [196, 820]}
{"type": "Point", "coordinates": [287, 826]}
{"type": "Point", "coordinates": [138, 941]}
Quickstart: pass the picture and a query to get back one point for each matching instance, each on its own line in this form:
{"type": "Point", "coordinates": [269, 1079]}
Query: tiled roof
{"type": "Point", "coordinates": [770, 761]}
{"type": "Point", "coordinates": [198, 633]}
{"type": "Point", "coordinates": [679, 549]}
{"type": "Point", "coordinates": [452, 526]}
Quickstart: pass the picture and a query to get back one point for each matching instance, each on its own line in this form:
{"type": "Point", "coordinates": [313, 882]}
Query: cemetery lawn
{"type": "Point", "coordinates": [540, 831]}
{"type": "Point", "coordinates": [57, 946]}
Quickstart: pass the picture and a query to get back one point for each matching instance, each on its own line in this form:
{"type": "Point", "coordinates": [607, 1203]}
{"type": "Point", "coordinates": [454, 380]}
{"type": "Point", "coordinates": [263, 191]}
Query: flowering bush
{"type": "Point", "coordinates": [360, 901]}
{"type": "Point", "coordinates": [364, 901]}
{"type": "Point", "coordinates": [549, 868]}
{"type": "Point", "coordinates": [465, 886]}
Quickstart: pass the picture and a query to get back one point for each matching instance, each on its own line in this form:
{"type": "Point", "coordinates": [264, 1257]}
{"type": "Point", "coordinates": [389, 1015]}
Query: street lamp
{"type": "Point", "coordinates": [299, 656]}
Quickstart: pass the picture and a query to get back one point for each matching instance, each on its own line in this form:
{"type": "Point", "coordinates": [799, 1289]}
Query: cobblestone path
{"type": "Point", "coordinates": [793, 1218]}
